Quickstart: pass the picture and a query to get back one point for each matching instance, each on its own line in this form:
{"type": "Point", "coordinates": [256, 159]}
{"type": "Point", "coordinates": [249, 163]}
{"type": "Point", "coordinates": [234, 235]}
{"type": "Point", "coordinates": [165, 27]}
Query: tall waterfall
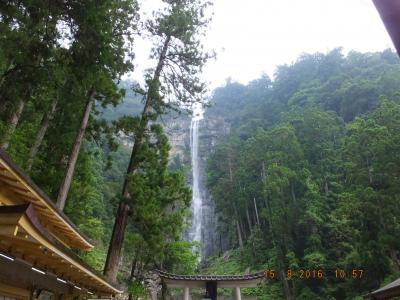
{"type": "Point", "coordinates": [204, 221]}
{"type": "Point", "coordinates": [197, 201]}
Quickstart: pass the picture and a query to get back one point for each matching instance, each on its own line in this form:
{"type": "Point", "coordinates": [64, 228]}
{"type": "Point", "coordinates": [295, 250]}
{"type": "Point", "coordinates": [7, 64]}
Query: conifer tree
{"type": "Point", "coordinates": [99, 60]}
{"type": "Point", "coordinates": [172, 83]}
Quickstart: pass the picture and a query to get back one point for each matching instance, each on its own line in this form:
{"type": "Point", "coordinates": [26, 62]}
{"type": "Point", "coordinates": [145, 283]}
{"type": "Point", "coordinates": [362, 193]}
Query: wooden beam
{"type": "Point", "coordinates": [11, 196]}
{"type": "Point", "coordinates": [11, 186]}
{"type": "Point", "coordinates": [389, 11]}
{"type": "Point", "coordinates": [8, 197]}
{"type": "Point", "coordinates": [13, 183]}
{"type": "Point", "coordinates": [34, 256]}
{"type": "Point", "coordinates": [11, 171]}
{"type": "Point", "coordinates": [39, 253]}
{"type": "Point", "coordinates": [62, 229]}
{"type": "Point", "coordinates": [27, 194]}
{"type": "Point", "coordinates": [11, 291]}
{"type": "Point", "coordinates": [9, 230]}
{"type": "Point", "coordinates": [45, 211]}
{"type": "Point", "coordinates": [21, 243]}
{"type": "Point", "coordinates": [7, 175]}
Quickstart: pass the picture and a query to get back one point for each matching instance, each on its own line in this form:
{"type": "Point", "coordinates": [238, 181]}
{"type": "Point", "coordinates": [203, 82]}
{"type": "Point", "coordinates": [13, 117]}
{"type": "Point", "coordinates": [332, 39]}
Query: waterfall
{"type": "Point", "coordinates": [197, 201]}
{"type": "Point", "coordinates": [203, 225]}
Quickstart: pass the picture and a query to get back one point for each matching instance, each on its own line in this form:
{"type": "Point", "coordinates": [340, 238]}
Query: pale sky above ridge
{"type": "Point", "coordinates": [255, 36]}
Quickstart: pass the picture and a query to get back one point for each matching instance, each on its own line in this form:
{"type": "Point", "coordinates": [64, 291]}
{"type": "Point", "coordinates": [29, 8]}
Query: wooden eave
{"type": "Point", "coordinates": [389, 11]}
{"type": "Point", "coordinates": [389, 291]}
{"type": "Point", "coordinates": [22, 236]}
{"type": "Point", "coordinates": [13, 180]}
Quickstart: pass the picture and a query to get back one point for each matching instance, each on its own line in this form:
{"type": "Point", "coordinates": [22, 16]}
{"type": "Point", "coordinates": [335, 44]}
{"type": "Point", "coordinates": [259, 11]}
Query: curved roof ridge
{"type": "Point", "coordinates": [84, 240]}
{"type": "Point", "coordinates": [213, 277]}
{"type": "Point", "coordinates": [61, 258]}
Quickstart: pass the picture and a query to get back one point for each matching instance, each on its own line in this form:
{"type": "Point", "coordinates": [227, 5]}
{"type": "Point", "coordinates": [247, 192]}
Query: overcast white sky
{"type": "Point", "coordinates": [254, 36]}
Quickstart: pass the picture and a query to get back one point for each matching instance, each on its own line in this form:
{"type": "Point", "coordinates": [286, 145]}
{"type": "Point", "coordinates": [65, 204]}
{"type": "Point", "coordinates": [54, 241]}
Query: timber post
{"type": "Point", "coordinates": [186, 293]}
{"type": "Point", "coordinates": [237, 293]}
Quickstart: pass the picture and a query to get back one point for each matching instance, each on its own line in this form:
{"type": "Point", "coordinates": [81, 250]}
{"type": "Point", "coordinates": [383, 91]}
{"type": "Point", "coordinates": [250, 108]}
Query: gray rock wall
{"type": "Point", "coordinates": [212, 130]}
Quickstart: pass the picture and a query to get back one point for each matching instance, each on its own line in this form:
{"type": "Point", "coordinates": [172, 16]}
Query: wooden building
{"type": "Point", "coordinates": [36, 243]}
{"type": "Point", "coordinates": [389, 10]}
{"type": "Point", "coordinates": [211, 283]}
{"type": "Point", "coordinates": [389, 291]}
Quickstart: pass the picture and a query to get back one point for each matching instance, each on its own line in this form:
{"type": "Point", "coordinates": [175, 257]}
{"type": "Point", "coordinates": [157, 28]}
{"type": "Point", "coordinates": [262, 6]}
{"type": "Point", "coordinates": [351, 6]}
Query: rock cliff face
{"type": "Point", "coordinates": [211, 131]}
{"type": "Point", "coordinates": [178, 132]}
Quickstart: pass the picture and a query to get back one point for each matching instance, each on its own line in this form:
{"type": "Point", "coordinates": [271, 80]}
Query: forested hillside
{"type": "Point", "coordinates": [309, 176]}
{"type": "Point", "coordinates": [131, 104]}
{"type": "Point", "coordinates": [303, 168]}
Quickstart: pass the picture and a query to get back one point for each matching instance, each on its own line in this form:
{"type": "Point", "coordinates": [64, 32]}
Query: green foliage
{"type": "Point", "coordinates": [94, 258]}
{"type": "Point", "coordinates": [56, 54]}
{"type": "Point", "coordinates": [316, 151]}
{"type": "Point", "coordinates": [131, 104]}
{"type": "Point", "coordinates": [52, 57]}
{"type": "Point", "coordinates": [227, 265]}
{"type": "Point", "coordinates": [137, 289]}
{"type": "Point", "coordinates": [160, 199]}
{"type": "Point", "coordinates": [176, 29]}
{"type": "Point", "coordinates": [308, 178]}
{"type": "Point", "coordinates": [181, 257]}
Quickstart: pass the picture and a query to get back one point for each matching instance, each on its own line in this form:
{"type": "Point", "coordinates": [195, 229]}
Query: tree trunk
{"type": "Point", "coordinates": [239, 234]}
{"type": "Point", "coordinates": [121, 219]}
{"type": "Point", "coordinates": [263, 173]}
{"type": "Point", "coordinates": [326, 187]}
{"type": "Point", "coordinates": [395, 260]}
{"type": "Point", "coordinates": [117, 238]}
{"type": "Point", "coordinates": [66, 184]}
{"type": "Point", "coordinates": [286, 287]}
{"type": "Point", "coordinates": [293, 193]}
{"type": "Point", "coordinates": [220, 245]}
{"type": "Point", "coordinates": [256, 210]}
{"type": "Point", "coordinates": [44, 125]}
{"type": "Point", "coordinates": [242, 227]}
{"type": "Point", "coordinates": [248, 219]}
{"type": "Point", "coordinates": [370, 176]}
{"type": "Point", "coordinates": [230, 171]}
{"type": "Point", "coordinates": [3, 102]}
{"type": "Point", "coordinates": [132, 275]}
{"type": "Point", "coordinates": [3, 105]}
{"type": "Point", "coordinates": [6, 72]}
{"type": "Point", "coordinates": [12, 124]}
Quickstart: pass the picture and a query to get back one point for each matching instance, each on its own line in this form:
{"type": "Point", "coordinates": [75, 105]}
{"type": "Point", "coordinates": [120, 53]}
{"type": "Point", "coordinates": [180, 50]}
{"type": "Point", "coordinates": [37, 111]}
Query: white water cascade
{"type": "Point", "coordinates": [197, 201]}
{"type": "Point", "coordinates": [203, 223]}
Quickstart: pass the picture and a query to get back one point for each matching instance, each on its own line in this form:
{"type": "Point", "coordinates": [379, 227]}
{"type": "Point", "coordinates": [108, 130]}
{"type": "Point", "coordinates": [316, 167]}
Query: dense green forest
{"type": "Point", "coordinates": [63, 104]}
{"type": "Point", "coordinates": [308, 177]}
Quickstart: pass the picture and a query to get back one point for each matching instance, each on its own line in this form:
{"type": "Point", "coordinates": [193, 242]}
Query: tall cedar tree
{"type": "Point", "coordinates": [60, 53]}
{"type": "Point", "coordinates": [28, 36]}
{"type": "Point", "coordinates": [173, 83]}
{"type": "Point", "coordinates": [99, 52]}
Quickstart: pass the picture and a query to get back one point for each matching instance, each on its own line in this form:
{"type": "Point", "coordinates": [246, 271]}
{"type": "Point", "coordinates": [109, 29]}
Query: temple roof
{"type": "Point", "coordinates": [23, 237]}
{"type": "Point", "coordinates": [389, 11]}
{"type": "Point", "coordinates": [388, 291]}
{"type": "Point", "coordinates": [228, 281]}
{"type": "Point", "coordinates": [25, 191]}
{"type": "Point", "coordinates": [211, 277]}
